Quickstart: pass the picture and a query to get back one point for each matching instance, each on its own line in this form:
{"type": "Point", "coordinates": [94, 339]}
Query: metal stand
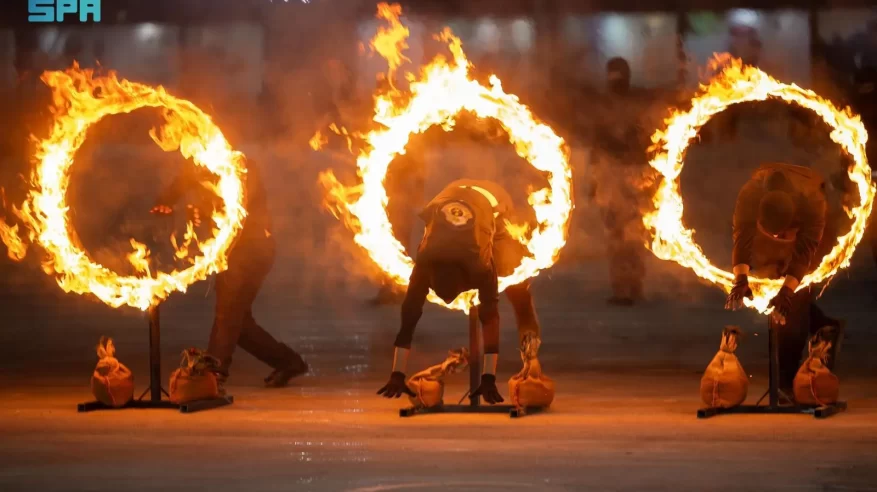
{"type": "Point", "coordinates": [774, 393]}
{"type": "Point", "coordinates": [474, 406]}
{"type": "Point", "coordinates": [155, 390]}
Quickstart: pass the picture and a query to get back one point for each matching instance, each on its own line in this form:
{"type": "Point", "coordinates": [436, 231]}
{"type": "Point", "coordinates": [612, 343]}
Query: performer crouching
{"type": "Point", "coordinates": [466, 246]}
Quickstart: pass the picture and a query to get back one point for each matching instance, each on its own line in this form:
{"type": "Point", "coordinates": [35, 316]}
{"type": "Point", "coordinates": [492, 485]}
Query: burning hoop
{"type": "Point", "coordinates": [81, 100]}
{"type": "Point", "coordinates": [437, 96]}
{"type": "Point", "coordinates": [736, 84]}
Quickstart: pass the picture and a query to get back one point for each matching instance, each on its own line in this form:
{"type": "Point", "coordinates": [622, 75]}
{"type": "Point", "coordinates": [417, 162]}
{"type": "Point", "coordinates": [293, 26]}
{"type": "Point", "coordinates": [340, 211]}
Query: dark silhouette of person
{"type": "Point", "coordinates": [465, 246]}
{"type": "Point", "coordinates": [779, 225]}
{"type": "Point", "coordinates": [249, 263]}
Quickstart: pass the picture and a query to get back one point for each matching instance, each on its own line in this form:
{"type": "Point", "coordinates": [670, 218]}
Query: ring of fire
{"type": "Point", "coordinates": [82, 100]}
{"type": "Point", "coordinates": [736, 84]}
{"type": "Point", "coordinates": [438, 95]}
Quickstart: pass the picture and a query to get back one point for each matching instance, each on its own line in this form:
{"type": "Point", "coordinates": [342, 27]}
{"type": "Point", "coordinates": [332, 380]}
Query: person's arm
{"type": "Point", "coordinates": [745, 227]}
{"type": "Point", "coordinates": [807, 240]}
{"type": "Point", "coordinates": [412, 310]}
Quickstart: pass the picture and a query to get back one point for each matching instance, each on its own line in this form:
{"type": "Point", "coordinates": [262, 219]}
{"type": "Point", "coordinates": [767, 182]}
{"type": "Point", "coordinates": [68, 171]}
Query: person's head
{"type": "Point", "coordinates": [776, 211]}
{"type": "Point", "coordinates": [618, 75]}
{"type": "Point", "coordinates": [448, 280]}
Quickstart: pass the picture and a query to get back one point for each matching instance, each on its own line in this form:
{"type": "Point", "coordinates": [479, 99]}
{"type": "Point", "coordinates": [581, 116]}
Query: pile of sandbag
{"type": "Point", "coordinates": [814, 383]}
{"type": "Point", "coordinates": [530, 387]}
{"type": "Point", "coordinates": [111, 383]}
{"type": "Point", "coordinates": [195, 379]}
{"type": "Point", "coordinates": [428, 385]}
{"type": "Point", "coordinates": [724, 383]}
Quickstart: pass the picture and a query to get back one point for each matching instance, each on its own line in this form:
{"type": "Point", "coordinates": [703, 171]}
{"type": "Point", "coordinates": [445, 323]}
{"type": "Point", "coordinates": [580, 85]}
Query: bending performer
{"type": "Point", "coordinates": [466, 246]}
{"type": "Point", "coordinates": [779, 225]}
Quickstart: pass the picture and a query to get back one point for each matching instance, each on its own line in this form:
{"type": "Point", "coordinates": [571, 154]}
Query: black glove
{"type": "Point", "coordinates": [738, 292]}
{"type": "Point", "coordinates": [395, 387]}
{"type": "Point", "coordinates": [782, 304]}
{"type": "Point", "coordinates": [487, 390]}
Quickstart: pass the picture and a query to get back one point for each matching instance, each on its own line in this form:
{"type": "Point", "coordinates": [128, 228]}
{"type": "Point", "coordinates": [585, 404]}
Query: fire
{"type": "Point", "coordinates": [81, 99]}
{"type": "Point", "coordinates": [737, 83]}
{"type": "Point", "coordinates": [436, 96]}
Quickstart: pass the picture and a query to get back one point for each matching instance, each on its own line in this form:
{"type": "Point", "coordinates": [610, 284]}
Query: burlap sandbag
{"type": "Point", "coordinates": [815, 384]}
{"type": "Point", "coordinates": [531, 388]}
{"type": "Point", "coordinates": [111, 383]}
{"type": "Point", "coordinates": [724, 383]}
{"type": "Point", "coordinates": [429, 386]}
{"type": "Point", "coordinates": [195, 379]}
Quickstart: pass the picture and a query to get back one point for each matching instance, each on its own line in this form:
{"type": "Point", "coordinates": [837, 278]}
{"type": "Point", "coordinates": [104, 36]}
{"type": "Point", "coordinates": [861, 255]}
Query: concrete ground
{"type": "Point", "coordinates": [623, 419]}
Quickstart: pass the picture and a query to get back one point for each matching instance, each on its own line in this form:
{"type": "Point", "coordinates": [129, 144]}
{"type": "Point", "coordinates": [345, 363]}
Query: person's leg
{"type": "Point", "coordinates": [233, 301]}
{"type": "Point", "coordinates": [285, 362]}
{"type": "Point", "coordinates": [525, 311]}
{"type": "Point", "coordinates": [792, 338]}
{"type": "Point", "coordinates": [507, 255]}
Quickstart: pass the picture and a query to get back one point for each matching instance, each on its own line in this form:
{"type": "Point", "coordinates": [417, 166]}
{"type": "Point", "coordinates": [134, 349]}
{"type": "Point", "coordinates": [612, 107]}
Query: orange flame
{"type": "Point", "coordinates": [441, 91]}
{"type": "Point", "coordinates": [391, 42]}
{"type": "Point", "coordinates": [80, 100]}
{"type": "Point", "coordinates": [737, 83]}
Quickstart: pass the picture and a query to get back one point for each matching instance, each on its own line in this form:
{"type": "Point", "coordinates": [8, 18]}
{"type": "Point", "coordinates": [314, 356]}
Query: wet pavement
{"type": "Point", "coordinates": [623, 419]}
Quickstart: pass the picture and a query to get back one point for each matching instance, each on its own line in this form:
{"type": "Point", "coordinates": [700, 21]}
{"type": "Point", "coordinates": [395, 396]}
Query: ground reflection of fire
{"type": "Point", "coordinates": [442, 90]}
{"type": "Point", "coordinates": [81, 99]}
{"type": "Point", "coordinates": [737, 83]}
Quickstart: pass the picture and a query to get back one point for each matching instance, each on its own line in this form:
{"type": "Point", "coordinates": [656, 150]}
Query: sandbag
{"type": "Point", "coordinates": [814, 383]}
{"type": "Point", "coordinates": [428, 385]}
{"type": "Point", "coordinates": [111, 383]}
{"type": "Point", "coordinates": [724, 383]}
{"type": "Point", "coordinates": [195, 379]}
{"type": "Point", "coordinates": [530, 387]}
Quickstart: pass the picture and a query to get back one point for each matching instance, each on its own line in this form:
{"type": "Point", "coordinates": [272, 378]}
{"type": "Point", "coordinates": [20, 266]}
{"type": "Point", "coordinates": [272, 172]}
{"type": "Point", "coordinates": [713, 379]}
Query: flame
{"type": "Point", "coordinates": [442, 90]}
{"type": "Point", "coordinates": [737, 83]}
{"type": "Point", "coordinates": [318, 141]}
{"type": "Point", "coordinates": [16, 248]}
{"type": "Point", "coordinates": [182, 251]}
{"type": "Point", "coordinates": [139, 258]}
{"type": "Point", "coordinates": [391, 42]}
{"type": "Point", "coordinates": [81, 99]}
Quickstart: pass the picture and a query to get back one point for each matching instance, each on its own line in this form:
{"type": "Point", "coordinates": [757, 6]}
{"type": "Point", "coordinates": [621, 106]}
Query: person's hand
{"type": "Point", "coordinates": [739, 291]}
{"type": "Point", "coordinates": [195, 214]}
{"type": "Point", "coordinates": [782, 305]}
{"type": "Point", "coordinates": [488, 390]}
{"type": "Point", "coordinates": [162, 210]}
{"type": "Point", "coordinates": [395, 387]}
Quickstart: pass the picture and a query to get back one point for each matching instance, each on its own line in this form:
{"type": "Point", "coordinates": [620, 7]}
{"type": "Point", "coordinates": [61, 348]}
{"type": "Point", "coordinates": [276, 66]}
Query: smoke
{"type": "Point", "coordinates": [312, 74]}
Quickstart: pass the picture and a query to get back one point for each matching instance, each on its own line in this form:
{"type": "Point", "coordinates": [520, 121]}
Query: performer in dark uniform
{"type": "Point", "coordinates": [466, 246]}
{"type": "Point", "coordinates": [249, 263]}
{"type": "Point", "coordinates": [779, 225]}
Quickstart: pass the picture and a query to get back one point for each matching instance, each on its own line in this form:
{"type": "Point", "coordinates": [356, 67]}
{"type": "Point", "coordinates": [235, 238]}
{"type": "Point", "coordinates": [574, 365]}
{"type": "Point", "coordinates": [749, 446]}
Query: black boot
{"type": "Point", "coordinates": [295, 366]}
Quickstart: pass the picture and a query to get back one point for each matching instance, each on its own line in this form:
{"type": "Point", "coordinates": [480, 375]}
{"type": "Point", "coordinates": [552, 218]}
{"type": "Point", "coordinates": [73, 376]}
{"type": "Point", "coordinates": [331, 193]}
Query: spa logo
{"type": "Point", "coordinates": [56, 10]}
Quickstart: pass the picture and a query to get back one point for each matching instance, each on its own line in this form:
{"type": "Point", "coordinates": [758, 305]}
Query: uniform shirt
{"type": "Point", "coordinates": [490, 203]}
{"type": "Point", "coordinates": [808, 223]}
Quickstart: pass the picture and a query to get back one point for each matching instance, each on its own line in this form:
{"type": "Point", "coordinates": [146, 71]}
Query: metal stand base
{"type": "Point", "coordinates": [474, 405]}
{"type": "Point", "coordinates": [513, 411]}
{"type": "Point", "coordinates": [155, 389]}
{"type": "Point", "coordinates": [773, 394]}
{"type": "Point", "coordinates": [818, 412]}
{"type": "Point", "coordinates": [189, 407]}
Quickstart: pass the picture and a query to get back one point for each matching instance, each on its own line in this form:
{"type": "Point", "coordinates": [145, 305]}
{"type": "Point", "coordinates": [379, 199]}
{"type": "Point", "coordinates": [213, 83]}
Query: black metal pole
{"type": "Point", "coordinates": [154, 353]}
{"type": "Point", "coordinates": [774, 366]}
{"type": "Point", "coordinates": [474, 356]}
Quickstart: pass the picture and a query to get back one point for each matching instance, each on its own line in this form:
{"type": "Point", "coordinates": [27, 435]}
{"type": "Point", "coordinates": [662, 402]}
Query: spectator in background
{"type": "Point", "coordinates": [620, 141]}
